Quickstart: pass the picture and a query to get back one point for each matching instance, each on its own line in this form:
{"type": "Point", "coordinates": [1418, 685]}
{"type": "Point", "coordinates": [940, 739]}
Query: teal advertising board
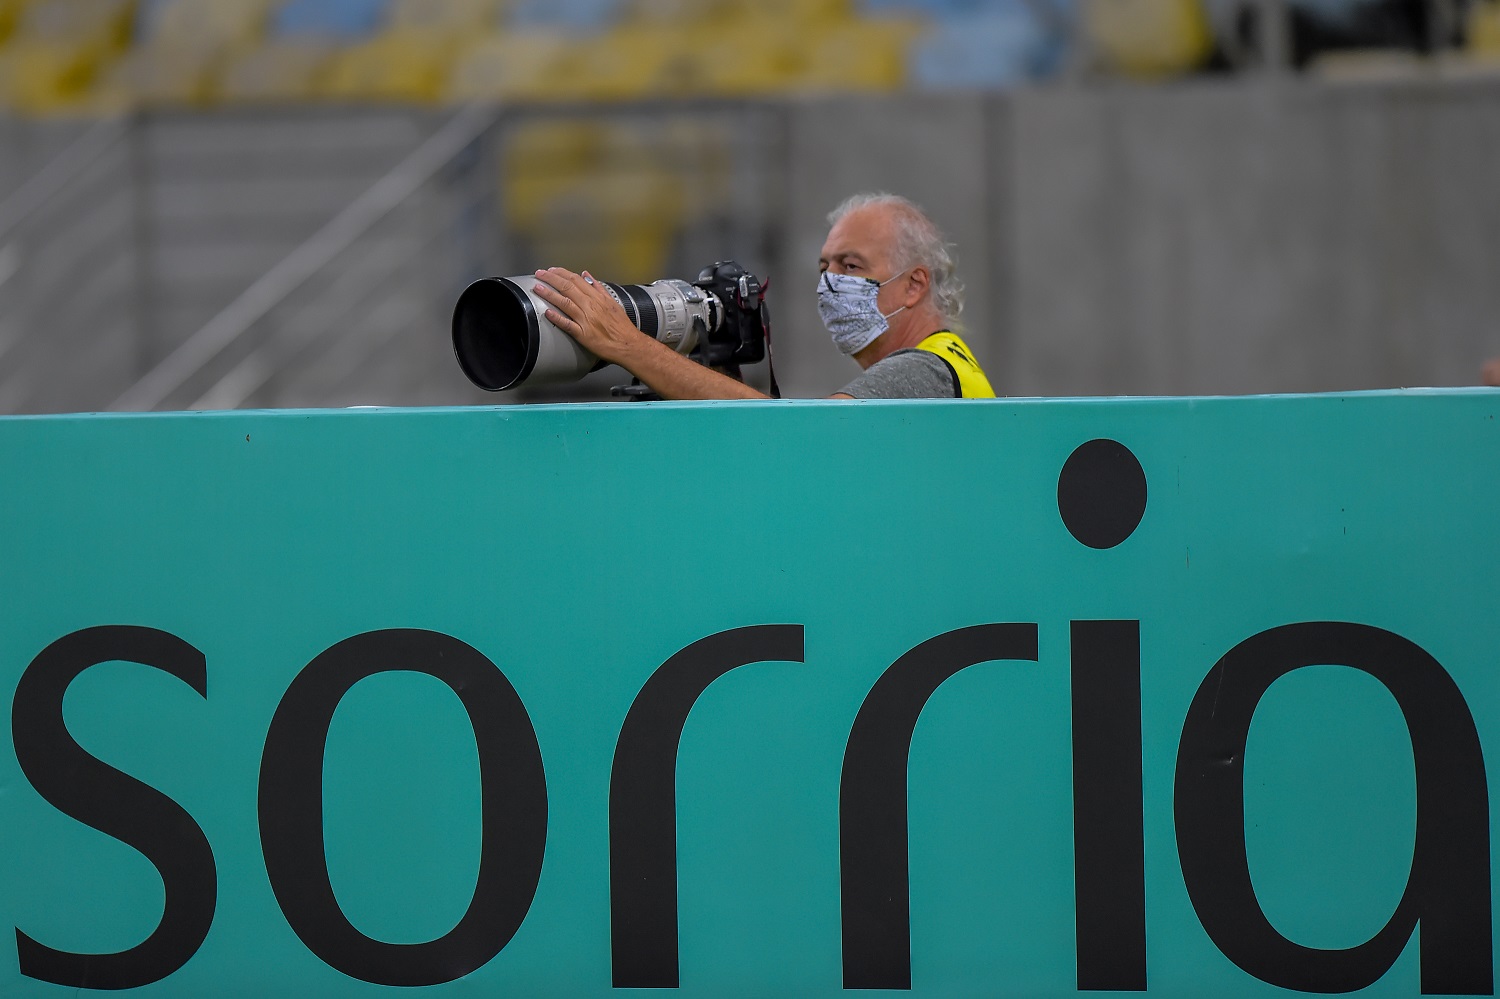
{"type": "Point", "coordinates": [1013, 698]}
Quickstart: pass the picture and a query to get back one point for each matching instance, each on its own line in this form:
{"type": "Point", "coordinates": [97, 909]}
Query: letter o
{"type": "Point", "coordinates": [513, 808]}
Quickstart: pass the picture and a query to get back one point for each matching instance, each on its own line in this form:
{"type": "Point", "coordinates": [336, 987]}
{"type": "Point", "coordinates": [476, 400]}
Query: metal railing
{"type": "Point", "coordinates": [66, 272]}
{"type": "Point", "coordinates": [53, 179]}
{"type": "Point", "coordinates": [236, 353]}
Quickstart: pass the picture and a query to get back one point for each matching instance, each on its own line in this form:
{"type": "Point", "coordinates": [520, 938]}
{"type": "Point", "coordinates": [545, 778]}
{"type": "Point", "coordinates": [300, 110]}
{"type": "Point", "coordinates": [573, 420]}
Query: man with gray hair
{"type": "Point", "coordinates": [887, 292]}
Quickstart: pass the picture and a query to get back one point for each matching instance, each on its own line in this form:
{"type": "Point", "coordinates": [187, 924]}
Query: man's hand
{"type": "Point", "coordinates": [1491, 371]}
{"type": "Point", "coordinates": [585, 310]}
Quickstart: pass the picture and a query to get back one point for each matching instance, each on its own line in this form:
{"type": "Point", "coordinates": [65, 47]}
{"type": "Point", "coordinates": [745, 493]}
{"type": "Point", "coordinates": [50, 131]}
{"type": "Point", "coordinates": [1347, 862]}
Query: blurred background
{"type": "Point", "coordinates": [262, 203]}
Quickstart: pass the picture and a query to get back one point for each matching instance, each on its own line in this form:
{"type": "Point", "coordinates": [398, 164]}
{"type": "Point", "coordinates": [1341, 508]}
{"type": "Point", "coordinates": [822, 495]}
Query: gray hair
{"type": "Point", "coordinates": [919, 242]}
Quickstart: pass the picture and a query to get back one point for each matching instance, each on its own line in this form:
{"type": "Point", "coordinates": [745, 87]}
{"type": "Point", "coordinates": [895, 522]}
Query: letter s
{"type": "Point", "coordinates": [116, 804]}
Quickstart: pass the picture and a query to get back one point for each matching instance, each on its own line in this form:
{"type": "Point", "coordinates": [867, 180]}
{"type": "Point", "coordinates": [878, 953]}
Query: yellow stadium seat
{"type": "Point", "coordinates": [407, 65]}
{"type": "Point", "coordinates": [859, 56]}
{"type": "Point", "coordinates": [1147, 38]}
{"type": "Point", "coordinates": [1370, 65]}
{"type": "Point", "coordinates": [176, 64]}
{"type": "Point", "coordinates": [104, 25]}
{"type": "Point", "coordinates": [629, 63]}
{"type": "Point", "coordinates": [10, 13]}
{"type": "Point", "coordinates": [615, 223]}
{"type": "Point", "coordinates": [679, 12]}
{"type": "Point", "coordinates": [41, 77]}
{"type": "Point", "coordinates": [761, 62]}
{"type": "Point", "coordinates": [275, 73]}
{"type": "Point", "coordinates": [805, 12]}
{"type": "Point", "coordinates": [540, 160]}
{"type": "Point", "coordinates": [517, 66]}
{"type": "Point", "coordinates": [57, 48]}
{"type": "Point", "coordinates": [186, 24]}
{"type": "Point", "coordinates": [773, 47]}
{"type": "Point", "coordinates": [446, 15]}
{"type": "Point", "coordinates": [697, 14]}
{"type": "Point", "coordinates": [1484, 28]}
{"type": "Point", "coordinates": [156, 75]}
{"type": "Point", "coordinates": [611, 197]}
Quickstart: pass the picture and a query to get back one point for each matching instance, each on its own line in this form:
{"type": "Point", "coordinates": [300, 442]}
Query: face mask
{"type": "Point", "coordinates": [847, 304]}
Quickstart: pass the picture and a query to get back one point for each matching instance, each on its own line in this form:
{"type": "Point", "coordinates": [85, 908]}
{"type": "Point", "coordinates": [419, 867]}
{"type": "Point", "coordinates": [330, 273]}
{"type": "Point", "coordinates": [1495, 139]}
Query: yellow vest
{"type": "Point", "coordinates": [971, 381]}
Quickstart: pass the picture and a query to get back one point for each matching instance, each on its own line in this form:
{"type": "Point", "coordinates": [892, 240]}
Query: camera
{"type": "Point", "coordinates": [503, 340]}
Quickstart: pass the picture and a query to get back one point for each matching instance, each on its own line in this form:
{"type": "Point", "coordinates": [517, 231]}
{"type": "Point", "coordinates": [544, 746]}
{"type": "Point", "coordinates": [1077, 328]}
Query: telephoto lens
{"type": "Point", "coordinates": [503, 339]}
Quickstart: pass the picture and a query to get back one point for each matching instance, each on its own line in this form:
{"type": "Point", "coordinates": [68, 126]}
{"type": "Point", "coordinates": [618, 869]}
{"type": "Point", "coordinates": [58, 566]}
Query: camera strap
{"type": "Point", "coordinates": [765, 329]}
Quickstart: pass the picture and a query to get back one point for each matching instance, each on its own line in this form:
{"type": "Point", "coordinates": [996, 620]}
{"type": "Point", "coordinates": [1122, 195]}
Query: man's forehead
{"type": "Point", "coordinates": [864, 232]}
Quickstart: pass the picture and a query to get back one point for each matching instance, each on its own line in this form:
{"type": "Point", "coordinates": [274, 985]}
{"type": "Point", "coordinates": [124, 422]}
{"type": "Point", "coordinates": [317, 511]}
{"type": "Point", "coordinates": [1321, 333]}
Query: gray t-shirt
{"type": "Point", "coordinates": [906, 374]}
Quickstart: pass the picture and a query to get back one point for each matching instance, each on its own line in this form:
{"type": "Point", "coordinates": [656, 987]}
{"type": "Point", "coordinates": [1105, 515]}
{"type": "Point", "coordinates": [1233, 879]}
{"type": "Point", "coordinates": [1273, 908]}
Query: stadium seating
{"type": "Point", "coordinates": [778, 47]}
{"type": "Point", "coordinates": [517, 65]}
{"type": "Point", "coordinates": [340, 19]}
{"type": "Point", "coordinates": [57, 48]}
{"type": "Point", "coordinates": [180, 46]}
{"type": "Point", "coordinates": [183, 23]}
{"type": "Point", "coordinates": [10, 12]}
{"type": "Point", "coordinates": [564, 15]}
{"type": "Point", "coordinates": [404, 65]}
{"type": "Point", "coordinates": [411, 59]}
{"type": "Point", "coordinates": [296, 60]}
{"type": "Point", "coordinates": [612, 195]}
{"type": "Point", "coordinates": [985, 50]}
{"type": "Point", "coordinates": [277, 72]}
{"type": "Point", "coordinates": [664, 48]}
{"type": "Point", "coordinates": [1147, 38]}
{"type": "Point", "coordinates": [72, 55]}
{"type": "Point", "coordinates": [205, 52]}
{"type": "Point", "coordinates": [756, 57]}
{"type": "Point", "coordinates": [1483, 28]}
{"type": "Point", "coordinates": [450, 16]}
{"type": "Point", "coordinates": [343, 59]}
{"type": "Point", "coordinates": [856, 57]}
{"type": "Point", "coordinates": [629, 62]}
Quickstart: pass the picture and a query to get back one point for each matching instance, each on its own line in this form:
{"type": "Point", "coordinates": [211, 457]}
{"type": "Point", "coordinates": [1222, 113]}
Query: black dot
{"type": "Point", "coordinates": [1101, 493]}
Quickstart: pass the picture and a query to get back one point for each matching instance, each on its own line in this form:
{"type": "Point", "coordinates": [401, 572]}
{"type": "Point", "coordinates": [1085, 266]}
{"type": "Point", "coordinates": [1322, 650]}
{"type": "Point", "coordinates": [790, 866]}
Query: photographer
{"type": "Point", "coordinates": [887, 293]}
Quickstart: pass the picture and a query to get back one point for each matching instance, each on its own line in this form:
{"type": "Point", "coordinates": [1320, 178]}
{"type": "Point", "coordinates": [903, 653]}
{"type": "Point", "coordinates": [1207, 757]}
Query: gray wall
{"type": "Point", "coordinates": [1223, 239]}
{"type": "Point", "coordinates": [228, 196]}
{"type": "Point", "coordinates": [1202, 238]}
{"type": "Point", "coordinates": [26, 146]}
{"type": "Point", "coordinates": [67, 268]}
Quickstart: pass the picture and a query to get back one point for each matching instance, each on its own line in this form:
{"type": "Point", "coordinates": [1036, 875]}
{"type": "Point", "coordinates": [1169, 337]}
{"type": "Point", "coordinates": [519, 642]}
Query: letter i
{"type": "Point", "coordinates": [1101, 497]}
{"type": "Point", "coordinates": [1108, 825]}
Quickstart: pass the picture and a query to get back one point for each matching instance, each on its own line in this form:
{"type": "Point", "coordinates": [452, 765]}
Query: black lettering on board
{"type": "Point", "coordinates": [116, 804]}
{"type": "Point", "coordinates": [643, 798]}
{"type": "Point", "coordinates": [1109, 843]}
{"type": "Point", "coordinates": [513, 808]}
{"type": "Point", "coordinates": [874, 877]}
{"type": "Point", "coordinates": [1448, 890]}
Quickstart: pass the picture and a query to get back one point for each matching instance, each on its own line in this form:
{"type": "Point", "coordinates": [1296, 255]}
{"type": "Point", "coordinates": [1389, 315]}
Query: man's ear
{"type": "Point", "coordinates": [918, 282]}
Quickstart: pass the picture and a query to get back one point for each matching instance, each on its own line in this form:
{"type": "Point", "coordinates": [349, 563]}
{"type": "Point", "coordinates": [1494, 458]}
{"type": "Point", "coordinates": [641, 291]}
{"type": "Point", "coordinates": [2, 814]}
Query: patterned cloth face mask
{"type": "Point", "coordinates": [847, 305]}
